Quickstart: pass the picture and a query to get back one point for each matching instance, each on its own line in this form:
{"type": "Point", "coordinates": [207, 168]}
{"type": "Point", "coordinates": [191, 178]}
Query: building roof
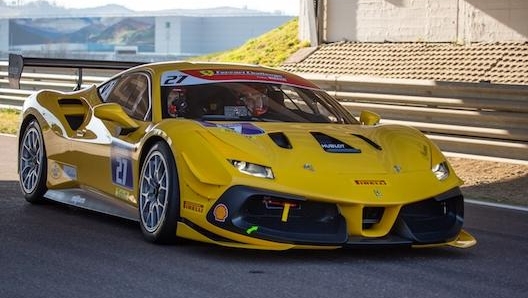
{"type": "Point", "coordinates": [501, 63]}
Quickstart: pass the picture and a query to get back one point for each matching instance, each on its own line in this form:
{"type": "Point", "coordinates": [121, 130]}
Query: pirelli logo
{"type": "Point", "coordinates": [370, 182]}
{"type": "Point", "coordinates": [193, 206]}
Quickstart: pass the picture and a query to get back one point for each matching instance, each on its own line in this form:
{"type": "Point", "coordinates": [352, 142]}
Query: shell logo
{"type": "Point", "coordinates": [220, 212]}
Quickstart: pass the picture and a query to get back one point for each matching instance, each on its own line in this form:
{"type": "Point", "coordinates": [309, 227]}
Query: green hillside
{"type": "Point", "coordinates": [270, 49]}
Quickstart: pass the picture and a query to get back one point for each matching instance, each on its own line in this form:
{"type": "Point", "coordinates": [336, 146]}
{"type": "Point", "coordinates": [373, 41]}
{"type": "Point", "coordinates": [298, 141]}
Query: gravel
{"type": "Point", "coordinates": [493, 181]}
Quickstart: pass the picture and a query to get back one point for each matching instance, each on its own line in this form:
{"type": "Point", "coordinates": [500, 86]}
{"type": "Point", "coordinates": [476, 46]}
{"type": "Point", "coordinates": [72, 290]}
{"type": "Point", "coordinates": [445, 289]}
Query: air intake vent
{"type": "Point", "coordinates": [369, 141]}
{"type": "Point", "coordinates": [281, 140]}
{"type": "Point", "coordinates": [372, 216]}
{"type": "Point", "coordinates": [333, 145]}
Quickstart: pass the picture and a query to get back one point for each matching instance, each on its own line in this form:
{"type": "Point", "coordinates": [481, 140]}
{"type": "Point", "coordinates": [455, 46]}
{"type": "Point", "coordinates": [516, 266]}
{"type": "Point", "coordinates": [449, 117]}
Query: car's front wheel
{"type": "Point", "coordinates": [32, 163]}
{"type": "Point", "coordinates": [159, 202]}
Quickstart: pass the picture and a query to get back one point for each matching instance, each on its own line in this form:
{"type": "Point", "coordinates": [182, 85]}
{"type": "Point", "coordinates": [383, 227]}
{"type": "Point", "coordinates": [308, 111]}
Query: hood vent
{"type": "Point", "coordinates": [333, 145]}
{"type": "Point", "coordinates": [281, 140]}
{"type": "Point", "coordinates": [369, 141]}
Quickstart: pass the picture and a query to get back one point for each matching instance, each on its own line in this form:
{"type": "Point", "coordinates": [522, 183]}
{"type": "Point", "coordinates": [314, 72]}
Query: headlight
{"type": "Point", "coordinates": [441, 171]}
{"type": "Point", "coordinates": [252, 169]}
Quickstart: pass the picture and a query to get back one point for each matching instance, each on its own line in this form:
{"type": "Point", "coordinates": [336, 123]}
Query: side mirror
{"type": "Point", "coordinates": [114, 112]}
{"type": "Point", "coordinates": [369, 118]}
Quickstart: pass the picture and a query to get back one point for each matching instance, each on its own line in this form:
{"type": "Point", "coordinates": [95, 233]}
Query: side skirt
{"type": "Point", "coordinates": [93, 201]}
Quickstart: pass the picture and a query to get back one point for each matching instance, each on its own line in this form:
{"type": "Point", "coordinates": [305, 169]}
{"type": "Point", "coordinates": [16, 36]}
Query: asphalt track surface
{"type": "Point", "coordinates": [52, 250]}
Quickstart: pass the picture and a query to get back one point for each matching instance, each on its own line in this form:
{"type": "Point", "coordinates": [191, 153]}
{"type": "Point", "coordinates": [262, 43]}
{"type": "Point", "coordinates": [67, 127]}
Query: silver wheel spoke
{"type": "Point", "coordinates": [153, 191]}
{"type": "Point", "coordinates": [31, 159]}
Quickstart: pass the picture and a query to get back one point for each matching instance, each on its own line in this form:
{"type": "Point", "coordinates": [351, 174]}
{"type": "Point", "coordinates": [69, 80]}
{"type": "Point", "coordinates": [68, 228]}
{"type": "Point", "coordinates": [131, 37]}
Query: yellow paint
{"type": "Point", "coordinates": [285, 212]}
{"type": "Point", "coordinates": [401, 171]}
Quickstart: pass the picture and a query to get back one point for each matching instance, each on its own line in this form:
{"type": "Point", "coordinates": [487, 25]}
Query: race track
{"type": "Point", "coordinates": [51, 250]}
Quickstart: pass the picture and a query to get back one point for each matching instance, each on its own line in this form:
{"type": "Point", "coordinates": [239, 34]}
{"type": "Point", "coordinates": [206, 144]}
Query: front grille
{"type": "Point", "coordinates": [437, 219]}
{"type": "Point", "coordinates": [279, 217]}
{"type": "Point", "coordinates": [302, 217]}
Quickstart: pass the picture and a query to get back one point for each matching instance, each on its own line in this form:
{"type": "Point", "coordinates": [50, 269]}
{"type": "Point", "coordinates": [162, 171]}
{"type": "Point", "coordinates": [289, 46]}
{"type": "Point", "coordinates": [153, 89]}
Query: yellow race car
{"type": "Point", "coordinates": [236, 155]}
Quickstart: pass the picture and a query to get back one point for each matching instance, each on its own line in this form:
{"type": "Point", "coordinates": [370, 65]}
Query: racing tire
{"type": "Point", "coordinates": [159, 195]}
{"type": "Point", "coordinates": [32, 163]}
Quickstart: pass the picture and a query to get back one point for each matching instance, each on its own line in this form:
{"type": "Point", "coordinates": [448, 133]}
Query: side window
{"type": "Point", "coordinates": [106, 89]}
{"type": "Point", "coordinates": [132, 92]}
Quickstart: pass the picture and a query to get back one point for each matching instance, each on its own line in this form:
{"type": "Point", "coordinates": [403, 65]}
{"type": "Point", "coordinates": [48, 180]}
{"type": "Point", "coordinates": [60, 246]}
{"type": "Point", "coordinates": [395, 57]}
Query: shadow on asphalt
{"type": "Point", "coordinates": [382, 254]}
{"type": "Point", "coordinates": [10, 196]}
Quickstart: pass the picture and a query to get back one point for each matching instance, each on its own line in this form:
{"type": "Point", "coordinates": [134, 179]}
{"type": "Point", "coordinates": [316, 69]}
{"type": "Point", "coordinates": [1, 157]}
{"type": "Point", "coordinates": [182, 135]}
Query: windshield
{"type": "Point", "coordinates": [251, 101]}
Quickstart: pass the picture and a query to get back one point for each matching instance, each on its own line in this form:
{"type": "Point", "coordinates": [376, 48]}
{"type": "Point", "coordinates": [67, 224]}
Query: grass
{"type": "Point", "coordinates": [9, 121]}
{"type": "Point", "coordinates": [270, 49]}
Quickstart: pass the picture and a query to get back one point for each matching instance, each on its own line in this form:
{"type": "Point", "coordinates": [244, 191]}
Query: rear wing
{"type": "Point", "coordinates": [17, 63]}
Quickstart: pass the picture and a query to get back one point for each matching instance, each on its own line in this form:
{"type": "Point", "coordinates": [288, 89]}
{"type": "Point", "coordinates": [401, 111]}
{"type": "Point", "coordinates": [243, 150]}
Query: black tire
{"type": "Point", "coordinates": [32, 163]}
{"type": "Point", "coordinates": [159, 195]}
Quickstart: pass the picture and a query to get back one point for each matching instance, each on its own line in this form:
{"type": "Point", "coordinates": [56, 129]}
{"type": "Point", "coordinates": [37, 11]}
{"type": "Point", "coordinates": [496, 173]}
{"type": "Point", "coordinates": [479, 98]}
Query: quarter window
{"type": "Point", "coordinates": [132, 92]}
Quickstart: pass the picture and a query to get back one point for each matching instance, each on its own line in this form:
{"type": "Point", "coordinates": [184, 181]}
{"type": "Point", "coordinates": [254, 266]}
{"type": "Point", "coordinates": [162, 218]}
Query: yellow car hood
{"type": "Point", "coordinates": [388, 164]}
{"type": "Point", "coordinates": [325, 148]}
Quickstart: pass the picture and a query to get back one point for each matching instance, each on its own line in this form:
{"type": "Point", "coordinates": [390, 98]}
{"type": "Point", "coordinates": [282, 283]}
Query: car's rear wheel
{"type": "Point", "coordinates": [159, 202]}
{"type": "Point", "coordinates": [32, 163]}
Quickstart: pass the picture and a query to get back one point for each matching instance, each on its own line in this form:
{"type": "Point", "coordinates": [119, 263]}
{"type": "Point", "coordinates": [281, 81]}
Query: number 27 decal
{"type": "Point", "coordinates": [174, 79]}
{"type": "Point", "coordinates": [122, 171]}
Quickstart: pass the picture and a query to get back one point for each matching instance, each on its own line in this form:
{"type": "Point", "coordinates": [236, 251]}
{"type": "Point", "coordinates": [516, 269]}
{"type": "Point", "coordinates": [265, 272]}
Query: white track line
{"type": "Point", "coordinates": [496, 205]}
{"type": "Point", "coordinates": [486, 158]}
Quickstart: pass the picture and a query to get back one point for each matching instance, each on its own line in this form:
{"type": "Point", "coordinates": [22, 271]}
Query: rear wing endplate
{"type": "Point", "coordinates": [17, 63]}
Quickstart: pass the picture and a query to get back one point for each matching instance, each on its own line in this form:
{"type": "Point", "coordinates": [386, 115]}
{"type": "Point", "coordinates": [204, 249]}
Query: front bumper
{"type": "Point", "coordinates": [294, 220]}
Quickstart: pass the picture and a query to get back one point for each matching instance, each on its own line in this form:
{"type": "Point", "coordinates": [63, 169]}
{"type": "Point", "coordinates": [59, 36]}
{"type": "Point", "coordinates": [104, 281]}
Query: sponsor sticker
{"type": "Point", "coordinates": [59, 170]}
{"type": "Point", "coordinates": [205, 76]}
{"type": "Point", "coordinates": [244, 128]}
{"type": "Point", "coordinates": [70, 171]}
{"type": "Point", "coordinates": [370, 182]}
{"type": "Point", "coordinates": [178, 78]}
{"type": "Point", "coordinates": [121, 165]}
{"type": "Point", "coordinates": [193, 206]}
{"type": "Point", "coordinates": [220, 212]}
{"type": "Point", "coordinates": [56, 171]}
{"type": "Point", "coordinates": [238, 74]}
{"type": "Point", "coordinates": [122, 171]}
{"type": "Point", "coordinates": [77, 200]}
{"type": "Point", "coordinates": [339, 148]}
{"type": "Point", "coordinates": [333, 146]}
{"type": "Point", "coordinates": [252, 229]}
{"type": "Point", "coordinates": [121, 193]}
{"type": "Point", "coordinates": [125, 195]}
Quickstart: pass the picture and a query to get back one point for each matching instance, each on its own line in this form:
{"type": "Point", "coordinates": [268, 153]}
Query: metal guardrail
{"type": "Point", "coordinates": [470, 118]}
{"type": "Point", "coordinates": [477, 119]}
